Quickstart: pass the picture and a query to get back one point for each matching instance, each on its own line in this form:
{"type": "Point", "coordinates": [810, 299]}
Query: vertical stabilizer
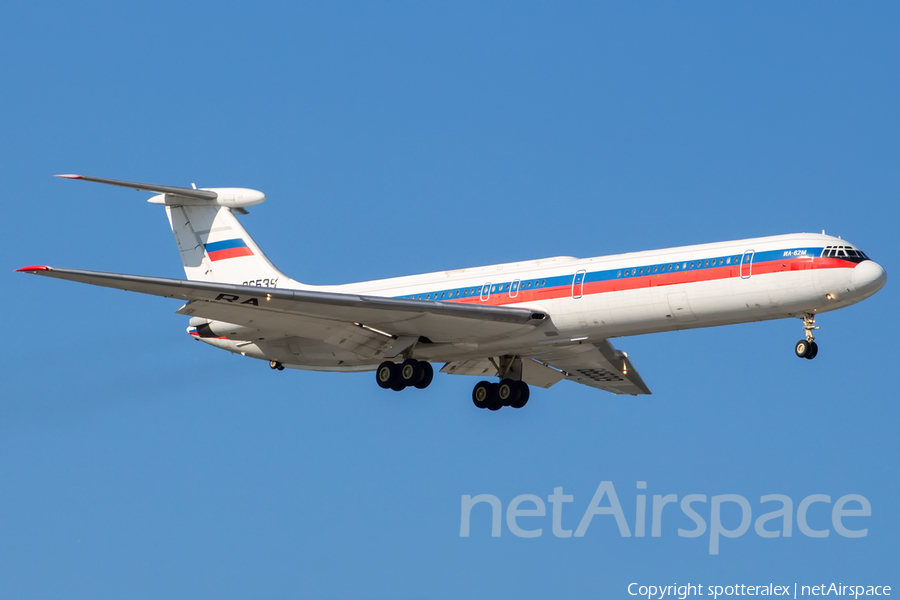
{"type": "Point", "coordinates": [211, 241]}
{"type": "Point", "coordinates": [215, 247]}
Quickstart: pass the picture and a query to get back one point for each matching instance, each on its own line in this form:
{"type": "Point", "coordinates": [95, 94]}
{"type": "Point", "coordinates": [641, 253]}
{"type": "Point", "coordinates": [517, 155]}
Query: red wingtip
{"type": "Point", "coordinates": [32, 269]}
{"type": "Point", "coordinates": [70, 176]}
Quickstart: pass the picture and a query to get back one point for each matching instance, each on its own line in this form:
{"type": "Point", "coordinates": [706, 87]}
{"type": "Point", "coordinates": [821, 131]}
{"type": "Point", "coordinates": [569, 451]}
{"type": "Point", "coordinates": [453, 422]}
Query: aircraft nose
{"type": "Point", "coordinates": [868, 277]}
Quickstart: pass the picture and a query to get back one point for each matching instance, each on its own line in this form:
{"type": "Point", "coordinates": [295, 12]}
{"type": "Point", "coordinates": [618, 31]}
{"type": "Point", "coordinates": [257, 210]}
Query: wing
{"type": "Point", "coordinates": [598, 365]}
{"type": "Point", "coordinates": [303, 311]}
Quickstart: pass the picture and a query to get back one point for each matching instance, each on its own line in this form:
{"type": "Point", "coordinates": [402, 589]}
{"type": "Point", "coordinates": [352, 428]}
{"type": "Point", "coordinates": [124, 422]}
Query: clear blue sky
{"type": "Point", "coordinates": [394, 138]}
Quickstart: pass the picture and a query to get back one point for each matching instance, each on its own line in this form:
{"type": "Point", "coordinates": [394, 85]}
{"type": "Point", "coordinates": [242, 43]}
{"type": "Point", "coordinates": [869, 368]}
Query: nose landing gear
{"type": "Point", "coordinates": [808, 348]}
{"type": "Point", "coordinates": [275, 365]}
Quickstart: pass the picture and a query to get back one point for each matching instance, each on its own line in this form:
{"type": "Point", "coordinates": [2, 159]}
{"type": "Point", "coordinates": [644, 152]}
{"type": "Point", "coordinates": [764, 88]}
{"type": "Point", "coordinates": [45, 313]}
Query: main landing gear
{"type": "Point", "coordinates": [418, 374]}
{"type": "Point", "coordinates": [409, 373]}
{"type": "Point", "coordinates": [494, 396]}
{"type": "Point", "coordinates": [808, 348]}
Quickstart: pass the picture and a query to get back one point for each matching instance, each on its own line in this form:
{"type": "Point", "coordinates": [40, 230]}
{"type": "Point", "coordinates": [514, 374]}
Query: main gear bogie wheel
{"type": "Point", "coordinates": [481, 394]}
{"type": "Point", "coordinates": [410, 372]}
{"type": "Point", "coordinates": [386, 375]}
{"type": "Point", "coordinates": [524, 394]}
{"type": "Point", "coordinates": [508, 392]}
{"type": "Point", "coordinates": [495, 403]}
{"type": "Point", "coordinates": [427, 375]}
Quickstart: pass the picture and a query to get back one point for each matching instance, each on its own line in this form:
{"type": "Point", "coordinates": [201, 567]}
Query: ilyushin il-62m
{"type": "Point", "coordinates": [531, 323]}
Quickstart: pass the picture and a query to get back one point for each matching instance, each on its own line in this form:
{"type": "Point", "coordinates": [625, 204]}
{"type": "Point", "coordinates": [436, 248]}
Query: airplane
{"type": "Point", "coordinates": [530, 323]}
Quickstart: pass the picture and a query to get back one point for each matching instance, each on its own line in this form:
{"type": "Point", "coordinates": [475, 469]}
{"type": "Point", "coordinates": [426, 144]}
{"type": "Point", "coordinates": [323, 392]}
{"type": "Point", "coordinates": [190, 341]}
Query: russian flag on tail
{"type": "Point", "coordinates": [227, 249]}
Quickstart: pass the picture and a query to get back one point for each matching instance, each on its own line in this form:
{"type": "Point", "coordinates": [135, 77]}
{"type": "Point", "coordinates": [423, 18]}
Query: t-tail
{"type": "Point", "coordinates": [212, 243]}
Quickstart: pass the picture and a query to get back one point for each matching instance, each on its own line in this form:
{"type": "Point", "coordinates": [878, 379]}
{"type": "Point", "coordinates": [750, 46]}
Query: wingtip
{"type": "Point", "coordinates": [70, 176]}
{"type": "Point", "coordinates": [32, 269]}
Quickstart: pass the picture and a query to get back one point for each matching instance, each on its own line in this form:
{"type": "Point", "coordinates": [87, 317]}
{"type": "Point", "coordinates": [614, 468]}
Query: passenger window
{"type": "Point", "coordinates": [543, 282]}
{"type": "Point", "coordinates": [619, 274]}
{"type": "Point", "coordinates": [728, 261]}
{"type": "Point", "coordinates": [528, 285]}
{"type": "Point", "coordinates": [656, 269]}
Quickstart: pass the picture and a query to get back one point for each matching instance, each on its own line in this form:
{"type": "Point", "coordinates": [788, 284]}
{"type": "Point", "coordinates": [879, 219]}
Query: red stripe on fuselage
{"type": "Point", "coordinates": [660, 279]}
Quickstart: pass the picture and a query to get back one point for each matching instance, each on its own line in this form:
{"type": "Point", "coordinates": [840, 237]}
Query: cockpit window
{"type": "Point", "coordinates": [847, 253]}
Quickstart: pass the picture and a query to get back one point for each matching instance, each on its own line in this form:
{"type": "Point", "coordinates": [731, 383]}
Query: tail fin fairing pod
{"type": "Point", "coordinates": [212, 243]}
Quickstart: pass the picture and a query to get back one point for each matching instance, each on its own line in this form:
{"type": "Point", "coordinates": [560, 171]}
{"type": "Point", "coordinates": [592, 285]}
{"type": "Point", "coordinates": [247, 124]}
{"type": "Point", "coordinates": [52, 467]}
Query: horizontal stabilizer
{"type": "Point", "coordinates": [234, 198]}
{"type": "Point", "coordinates": [150, 187]}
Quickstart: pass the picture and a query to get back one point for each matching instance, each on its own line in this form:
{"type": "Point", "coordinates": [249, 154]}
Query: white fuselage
{"type": "Point", "coordinates": [621, 295]}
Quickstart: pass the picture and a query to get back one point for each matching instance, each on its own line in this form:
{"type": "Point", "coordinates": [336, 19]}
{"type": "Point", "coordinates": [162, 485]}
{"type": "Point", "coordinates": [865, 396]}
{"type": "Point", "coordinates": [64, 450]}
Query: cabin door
{"type": "Point", "coordinates": [578, 284]}
{"type": "Point", "coordinates": [746, 264]}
